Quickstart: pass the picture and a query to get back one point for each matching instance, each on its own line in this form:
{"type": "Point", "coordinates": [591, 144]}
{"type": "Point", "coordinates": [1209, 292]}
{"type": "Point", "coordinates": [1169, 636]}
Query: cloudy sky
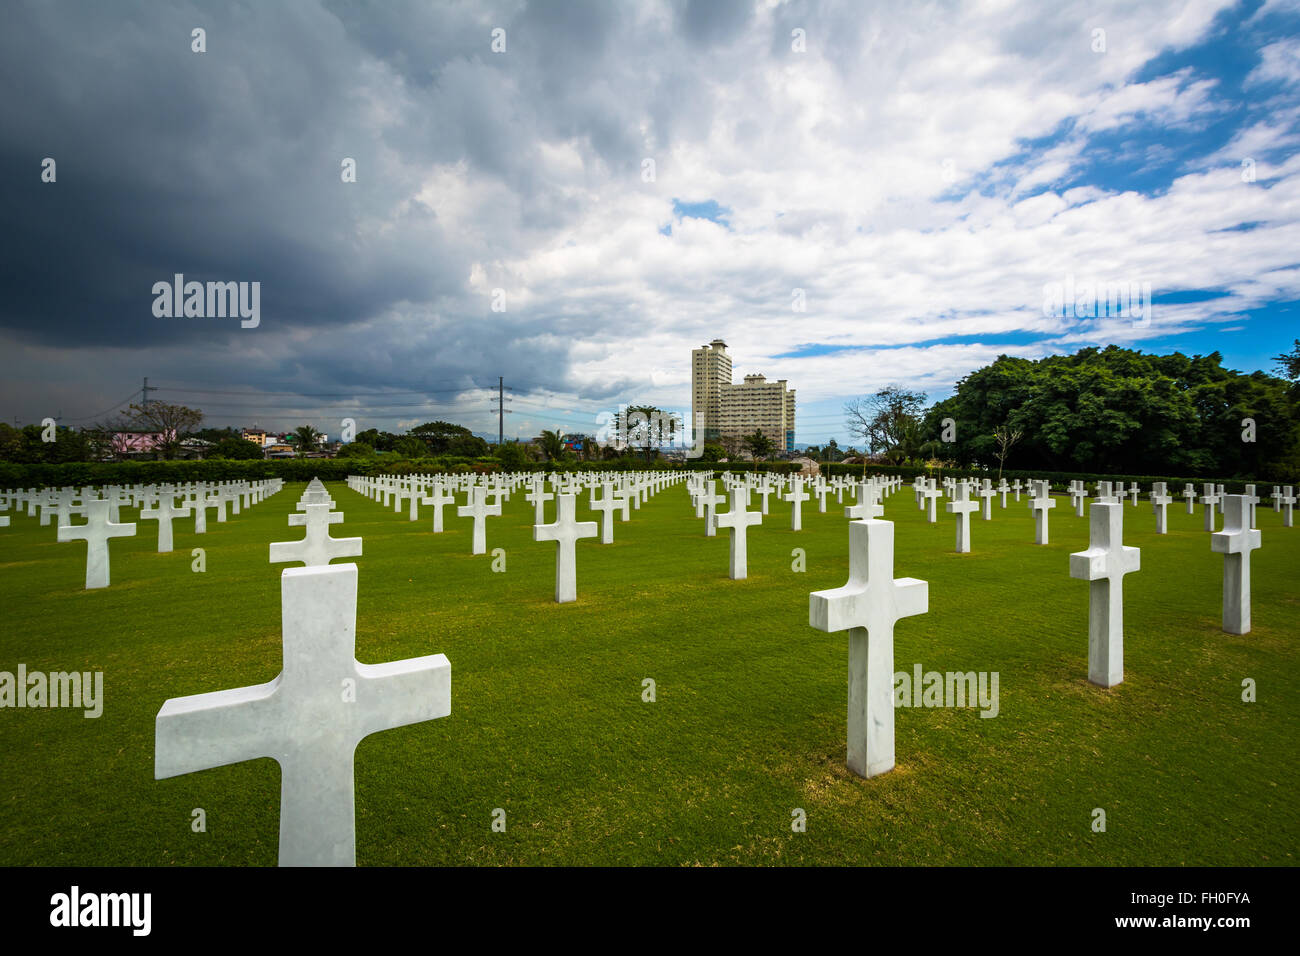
{"type": "Point", "coordinates": [572, 195]}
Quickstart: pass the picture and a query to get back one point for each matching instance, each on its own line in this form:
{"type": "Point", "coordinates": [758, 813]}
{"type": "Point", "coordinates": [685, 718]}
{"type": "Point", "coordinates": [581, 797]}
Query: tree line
{"type": "Point", "coordinates": [1110, 410]}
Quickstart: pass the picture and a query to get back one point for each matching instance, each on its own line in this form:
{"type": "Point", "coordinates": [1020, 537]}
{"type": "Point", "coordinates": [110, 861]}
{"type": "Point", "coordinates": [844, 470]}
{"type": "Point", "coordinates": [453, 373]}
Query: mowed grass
{"type": "Point", "coordinates": [548, 721]}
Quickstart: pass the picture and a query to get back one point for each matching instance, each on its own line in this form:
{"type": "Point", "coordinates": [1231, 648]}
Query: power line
{"type": "Point", "coordinates": [111, 408]}
{"type": "Point", "coordinates": [253, 393]}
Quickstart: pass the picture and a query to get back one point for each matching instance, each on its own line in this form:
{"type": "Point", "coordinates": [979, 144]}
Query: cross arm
{"type": "Point", "coordinates": [403, 692]}
{"type": "Point", "coordinates": [212, 730]}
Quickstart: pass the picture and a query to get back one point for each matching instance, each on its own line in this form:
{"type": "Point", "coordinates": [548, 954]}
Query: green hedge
{"type": "Point", "coordinates": [14, 475]}
{"type": "Point", "coordinates": [1059, 480]}
{"type": "Point", "coordinates": [76, 473]}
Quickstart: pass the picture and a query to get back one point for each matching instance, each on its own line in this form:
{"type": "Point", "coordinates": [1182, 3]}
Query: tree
{"type": "Point", "coordinates": [169, 423]}
{"type": "Point", "coordinates": [1289, 363]}
{"type": "Point", "coordinates": [379, 441]}
{"type": "Point", "coordinates": [1121, 411]}
{"type": "Point", "coordinates": [408, 446]}
{"type": "Point", "coordinates": [305, 438]}
{"type": "Point", "coordinates": [11, 443]}
{"type": "Point", "coordinates": [444, 438]}
{"type": "Point", "coordinates": [1005, 437]}
{"type": "Point", "coordinates": [759, 445]}
{"type": "Point", "coordinates": [512, 456]}
{"type": "Point", "coordinates": [884, 420]}
{"type": "Point", "coordinates": [237, 448]}
{"type": "Point", "coordinates": [731, 444]}
{"type": "Point", "coordinates": [711, 452]}
{"type": "Point", "coordinates": [650, 426]}
{"type": "Point", "coordinates": [356, 449]}
{"type": "Point", "coordinates": [552, 443]}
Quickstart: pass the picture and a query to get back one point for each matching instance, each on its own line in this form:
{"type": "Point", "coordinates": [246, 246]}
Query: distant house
{"type": "Point", "coordinates": [138, 444]}
{"type": "Point", "coordinates": [255, 435]}
{"type": "Point", "coordinates": [194, 448]}
{"type": "Point", "coordinates": [278, 449]}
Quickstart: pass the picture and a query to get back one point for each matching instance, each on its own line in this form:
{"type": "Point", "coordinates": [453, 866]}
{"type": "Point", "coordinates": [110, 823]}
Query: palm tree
{"type": "Point", "coordinates": [553, 444]}
{"type": "Point", "coordinates": [306, 438]}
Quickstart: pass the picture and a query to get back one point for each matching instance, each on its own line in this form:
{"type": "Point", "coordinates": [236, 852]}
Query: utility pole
{"type": "Point", "coordinates": [144, 392]}
{"type": "Point", "coordinates": [502, 411]}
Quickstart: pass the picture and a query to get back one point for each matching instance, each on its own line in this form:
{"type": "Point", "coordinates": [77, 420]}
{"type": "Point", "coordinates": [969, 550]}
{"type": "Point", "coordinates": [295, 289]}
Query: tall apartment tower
{"type": "Point", "coordinates": [710, 371]}
{"type": "Point", "coordinates": [757, 404]}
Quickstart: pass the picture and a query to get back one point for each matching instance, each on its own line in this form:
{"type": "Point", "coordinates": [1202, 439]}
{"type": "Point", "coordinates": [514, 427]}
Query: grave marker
{"type": "Point", "coordinates": [303, 719]}
{"type": "Point", "coordinates": [868, 608]}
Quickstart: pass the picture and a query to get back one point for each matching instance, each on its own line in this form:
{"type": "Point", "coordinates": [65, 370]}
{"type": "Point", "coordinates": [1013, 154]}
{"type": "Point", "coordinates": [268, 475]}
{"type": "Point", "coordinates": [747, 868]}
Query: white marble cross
{"type": "Point", "coordinates": [1133, 491]}
{"type": "Point", "coordinates": [1288, 502]}
{"type": "Point", "coordinates": [439, 498]}
{"type": "Point", "coordinates": [1104, 564]}
{"type": "Point", "coordinates": [868, 607]}
{"type": "Point", "coordinates": [932, 493]}
{"type": "Point", "coordinates": [1189, 492]}
{"type": "Point", "coordinates": [1106, 492]}
{"type": "Point", "coordinates": [1016, 486]}
{"type": "Point", "coordinates": [986, 492]}
{"type": "Point", "coordinates": [200, 505]}
{"type": "Point", "coordinates": [1159, 504]}
{"type": "Point", "coordinates": [538, 497]}
{"type": "Point", "coordinates": [480, 511]}
{"type": "Point", "coordinates": [317, 548]}
{"type": "Point", "coordinates": [868, 505]}
{"type": "Point", "coordinates": [163, 512]}
{"type": "Point", "coordinates": [1252, 500]}
{"type": "Point", "coordinates": [962, 506]}
{"type": "Point", "coordinates": [1003, 488]}
{"type": "Point", "coordinates": [417, 496]}
{"type": "Point", "coordinates": [1040, 505]}
{"type": "Point", "coordinates": [711, 500]}
{"type": "Point", "coordinates": [310, 718]}
{"type": "Point", "coordinates": [1209, 499]}
{"type": "Point", "coordinates": [607, 505]}
{"type": "Point", "coordinates": [1078, 495]}
{"type": "Point", "coordinates": [565, 532]}
{"type": "Point", "coordinates": [95, 532]}
{"type": "Point", "coordinates": [798, 496]}
{"type": "Point", "coordinates": [738, 520]}
{"type": "Point", "coordinates": [1235, 542]}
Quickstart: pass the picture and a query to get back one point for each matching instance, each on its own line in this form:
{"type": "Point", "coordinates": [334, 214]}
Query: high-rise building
{"type": "Point", "coordinates": [734, 411]}
{"type": "Point", "coordinates": [710, 370]}
{"type": "Point", "coordinates": [759, 405]}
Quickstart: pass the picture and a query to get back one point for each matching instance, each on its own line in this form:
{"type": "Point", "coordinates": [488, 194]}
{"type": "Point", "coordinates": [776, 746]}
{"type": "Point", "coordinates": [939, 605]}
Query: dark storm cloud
{"type": "Point", "coordinates": [226, 166]}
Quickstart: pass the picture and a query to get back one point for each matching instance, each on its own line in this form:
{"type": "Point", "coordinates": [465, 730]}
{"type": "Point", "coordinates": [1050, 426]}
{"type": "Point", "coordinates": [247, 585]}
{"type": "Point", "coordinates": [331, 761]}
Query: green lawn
{"type": "Point", "coordinates": [548, 720]}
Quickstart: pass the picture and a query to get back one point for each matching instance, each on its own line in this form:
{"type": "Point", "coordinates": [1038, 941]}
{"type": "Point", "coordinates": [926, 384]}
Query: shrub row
{"type": "Point", "coordinates": [15, 475]}
{"type": "Point", "coordinates": [1059, 479]}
